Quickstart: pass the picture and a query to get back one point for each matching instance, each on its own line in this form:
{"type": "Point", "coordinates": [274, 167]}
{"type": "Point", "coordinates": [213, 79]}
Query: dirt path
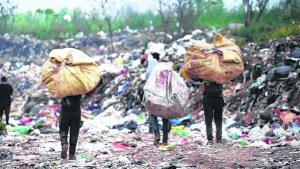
{"type": "Point", "coordinates": [95, 151]}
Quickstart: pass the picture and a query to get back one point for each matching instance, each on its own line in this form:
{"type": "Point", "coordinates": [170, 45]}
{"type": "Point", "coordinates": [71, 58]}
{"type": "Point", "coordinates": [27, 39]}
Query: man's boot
{"type": "Point", "coordinates": [72, 157]}
{"type": "Point", "coordinates": [156, 137]}
{"type": "Point", "coordinates": [64, 144]}
{"type": "Point", "coordinates": [169, 126]}
{"type": "Point", "coordinates": [219, 134]}
{"type": "Point", "coordinates": [165, 138]}
{"type": "Point", "coordinates": [209, 132]}
{"type": "Point", "coordinates": [64, 150]}
{"type": "Point", "coordinates": [166, 130]}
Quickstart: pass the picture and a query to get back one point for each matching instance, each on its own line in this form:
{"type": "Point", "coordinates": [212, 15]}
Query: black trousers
{"type": "Point", "coordinates": [69, 119]}
{"type": "Point", "coordinates": [5, 109]}
{"type": "Point", "coordinates": [213, 109]}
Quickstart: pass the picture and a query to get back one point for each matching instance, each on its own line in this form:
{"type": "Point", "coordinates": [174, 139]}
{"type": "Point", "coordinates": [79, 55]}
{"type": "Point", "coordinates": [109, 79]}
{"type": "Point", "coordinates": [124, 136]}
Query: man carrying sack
{"type": "Point", "coordinates": [213, 64]}
{"type": "Point", "coordinates": [68, 74]}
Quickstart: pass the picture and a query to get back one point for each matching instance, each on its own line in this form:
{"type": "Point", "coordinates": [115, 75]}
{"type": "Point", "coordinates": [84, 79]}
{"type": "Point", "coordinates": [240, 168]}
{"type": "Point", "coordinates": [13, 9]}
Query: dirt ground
{"type": "Point", "coordinates": [43, 151]}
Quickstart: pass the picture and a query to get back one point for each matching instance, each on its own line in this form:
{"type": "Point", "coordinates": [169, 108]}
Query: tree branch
{"type": "Point", "coordinates": [262, 6]}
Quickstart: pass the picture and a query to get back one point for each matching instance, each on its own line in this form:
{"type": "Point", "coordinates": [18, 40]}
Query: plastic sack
{"type": "Point", "coordinates": [69, 72]}
{"type": "Point", "coordinates": [165, 93]}
{"type": "Point", "coordinates": [283, 72]}
{"type": "Point", "coordinates": [295, 53]}
{"type": "Point", "coordinates": [287, 117]}
{"type": "Point", "coordinates": [167, 147]}
{"type": "Point", "coordinates": [243, 143]}
{"type": "Point", "coordinates": [219, 62]}
{"type": "Point", "coordinates": [181, 133]}
{"type": "Point", "coordinates": [256, 133]}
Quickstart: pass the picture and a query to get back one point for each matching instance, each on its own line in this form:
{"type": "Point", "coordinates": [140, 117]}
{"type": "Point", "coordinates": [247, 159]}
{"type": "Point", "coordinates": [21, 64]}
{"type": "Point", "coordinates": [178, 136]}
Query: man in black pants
{"type": "Point", "coordinates": [6, 92]}
{"type": "Point", "coordinates": [70, 117]}
{"type": "Point", "coordinates": [213, 109]}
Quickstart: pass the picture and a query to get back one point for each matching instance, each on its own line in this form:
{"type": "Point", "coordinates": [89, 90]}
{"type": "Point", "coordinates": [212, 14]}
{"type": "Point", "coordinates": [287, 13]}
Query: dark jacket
{"type": "Point", "coordinates": [71, 102]}
{"type": "Point", "coordinates": [6, 91]}
{"type": "Point", "coordinates": [212, 89]}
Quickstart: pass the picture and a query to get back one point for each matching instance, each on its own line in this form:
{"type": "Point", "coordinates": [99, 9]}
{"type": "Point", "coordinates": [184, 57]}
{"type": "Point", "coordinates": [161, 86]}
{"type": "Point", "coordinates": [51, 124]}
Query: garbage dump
{"type": "Point", "coordinates": [261, 114]}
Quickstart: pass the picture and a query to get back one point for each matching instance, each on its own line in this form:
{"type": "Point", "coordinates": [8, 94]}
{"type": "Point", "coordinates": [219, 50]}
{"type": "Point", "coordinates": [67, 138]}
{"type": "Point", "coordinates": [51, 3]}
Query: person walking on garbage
{"type": "Point", "coordinates": [153, 119]}
{"type": "Point", "coordinates": [6, 92]}
{"type": "Point", "coordinates": [70, 117]}
{"type": "Point", "coordinates": [213, 103]}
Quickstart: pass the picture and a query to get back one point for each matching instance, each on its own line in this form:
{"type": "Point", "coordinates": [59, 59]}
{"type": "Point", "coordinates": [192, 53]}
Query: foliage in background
{"type": "Point", "coordinates": [283, 31]}
{"type": "Point", "coordinates": [276, 23]}
{"type": "Point", "coordinates": [280, 21]}
{"type": "Point", "coordinates": [7, 10]}
{"type": "Point", "coordinates": [220, 17]}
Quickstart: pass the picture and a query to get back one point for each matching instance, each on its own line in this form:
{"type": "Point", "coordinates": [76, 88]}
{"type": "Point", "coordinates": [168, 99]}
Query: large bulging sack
{"type": "Point", "coordinates": [165, 93]}
{"type": "Point", "coordinates": [69, 72]}
{"type": "Point", "coordinates": [220, 62]}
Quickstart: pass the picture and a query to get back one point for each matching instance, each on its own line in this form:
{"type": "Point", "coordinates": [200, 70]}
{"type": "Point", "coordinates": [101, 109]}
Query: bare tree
{"type": "Point", "coordinates": [7, 10]}
{"type": "Point", "coordinates": [293, 7]}
{"type": "Point", "coordinates": [181, 9]}
{"type": "Point", "coordinates": [250, 7]}
{"type": "Point", "coordinates": [165, 11]}
{"type": "Point", "coordinates": [203, 5]}
{"type": "Point", "coordinates": [188, 11]}
{"type": "Point", "coordinates": [261, 4]}
{"type": "Point", "coordinates": [110, 9]}
{"type": "Point", "coordinates": [248, 12]}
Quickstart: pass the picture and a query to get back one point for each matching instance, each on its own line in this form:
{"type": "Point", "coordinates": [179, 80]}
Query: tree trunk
{"type": "Point", "coordinates": [163, 22]}
{"type": "Point", "coordinates": [4, 24]}
{"type": "Point", "coordinates": [12, 24]}
{"type": "Point", "coordinates": [1, 26]}
{"type": "Point", "coordinates": [295, 10]}
{"type": "Point", "coordinates": [248, 16]}
{"type": "Point", "coordinates": [261, 10]}
{"type": "Point", "coordinates": [180, 17]}
{"type": "Point", "coordinates": [110, 33]}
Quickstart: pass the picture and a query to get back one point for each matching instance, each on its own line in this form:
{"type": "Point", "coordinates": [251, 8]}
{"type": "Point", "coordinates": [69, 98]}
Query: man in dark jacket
{"type": "Point", "coordinates": [213, 103]}
{"type": "Point", "coordinates": [6, 92]}
{"type": "Point", "coordinates": [70, 117]}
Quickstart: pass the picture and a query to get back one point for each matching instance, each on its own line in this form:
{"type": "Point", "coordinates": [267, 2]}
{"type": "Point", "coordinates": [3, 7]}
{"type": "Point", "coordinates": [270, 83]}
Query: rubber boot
{"type": "Point", "coordinates": [64, 144]}
{"type": "Point", "coordinates": [72, 157]}
{"type": "Point", "coordinates": [156, 138]}
{"type": "Point", "coordinates": [64, 150]}
{"type": "Point", "coordinates": [219, 133]}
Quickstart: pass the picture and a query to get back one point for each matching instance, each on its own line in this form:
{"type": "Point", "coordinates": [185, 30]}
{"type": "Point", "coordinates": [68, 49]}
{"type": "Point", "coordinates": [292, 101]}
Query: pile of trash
{"type": "Point", "coordinates": [265, 101]}
{"type": "Point", "coordinates": [262, 106]}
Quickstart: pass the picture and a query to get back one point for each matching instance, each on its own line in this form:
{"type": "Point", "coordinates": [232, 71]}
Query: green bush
{"type": "Point", "coordinates": [220, 17]}
{"type": "Point", "coordinates": [255, 33]}
{"type": "Point", "coordinates": [264, 32]}
{"type": "Point", "coordinates": [2, 129]}
{"type": "Point", "coordinates": [283, 31]}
